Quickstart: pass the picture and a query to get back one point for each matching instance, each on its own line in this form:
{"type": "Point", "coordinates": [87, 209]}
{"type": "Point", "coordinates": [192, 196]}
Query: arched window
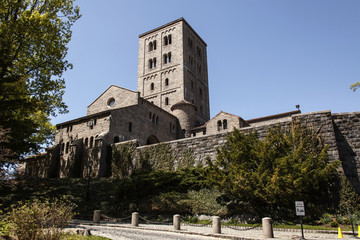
{"type": "Point", "coordinates": [130, 126]}
{"type": "Point", "coordinates": [154, 62]}
{"type": "Point", "coordinates": [154, 43]}
{"type": "Point", "coordinates": [166, 82]}
{"type": "Point", "coordinates": [169, 39]}
{"type": "Point", "coordinates": [166, 101]}
{"type": "Point", "coordinates": [165, 59]}
{"type": "Point", "coordinates": [150, 63]}
{"type": "Point", "coordinates": [151, 46]}
{"type": "Point", "coordinates": [166, 40]}
{"type": "Point", "coordinates": [169, 57]}
{"type": "Point", "coordinates": [86, 142]}
{"type": "Point", "coordinates": [153, 118]}
{"type": "Point", "coordinates": [190, 43]}
{"type": "Point", "coordinates": [157, 120]}
{"type": "Point", "coordinates": [152, 86]}
{"type": "Point", "coordinates": [91, 142]}
{"type": "Point", "coordinates": [225, 124]}
{"type": "Point", "coordinates": [219, 125]}
{"type": "Point", "coordinates": [62, 147]}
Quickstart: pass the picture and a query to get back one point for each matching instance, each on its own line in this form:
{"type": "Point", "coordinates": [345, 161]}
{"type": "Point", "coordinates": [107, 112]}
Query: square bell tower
{"type": "Point", "coordinates": [172, 69]}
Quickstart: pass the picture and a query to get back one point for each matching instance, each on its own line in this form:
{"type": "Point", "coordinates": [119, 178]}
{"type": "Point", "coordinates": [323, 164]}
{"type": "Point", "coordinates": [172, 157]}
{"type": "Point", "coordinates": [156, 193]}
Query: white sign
{"type": "Point", "coordinates": [300, 208]}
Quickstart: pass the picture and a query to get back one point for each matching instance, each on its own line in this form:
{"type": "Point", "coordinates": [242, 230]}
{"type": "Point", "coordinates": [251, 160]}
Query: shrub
{"type": "Point", "coordinates": [334, 224]}
{"type": "Point", "coordinates": [326, 218]}
{"type": "Point", "coordinates": [39, 220]}
{"type": "Point", "coordinates": [4, 226]}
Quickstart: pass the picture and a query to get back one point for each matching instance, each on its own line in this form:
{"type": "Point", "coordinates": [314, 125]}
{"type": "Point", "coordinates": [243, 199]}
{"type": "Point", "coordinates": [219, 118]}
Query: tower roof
{"type": "Point", "coordinates": [171, 23]}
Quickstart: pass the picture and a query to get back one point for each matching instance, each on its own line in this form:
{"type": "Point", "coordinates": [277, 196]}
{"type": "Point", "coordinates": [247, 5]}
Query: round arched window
{"type": "Point", "coordinates": [111, 102]}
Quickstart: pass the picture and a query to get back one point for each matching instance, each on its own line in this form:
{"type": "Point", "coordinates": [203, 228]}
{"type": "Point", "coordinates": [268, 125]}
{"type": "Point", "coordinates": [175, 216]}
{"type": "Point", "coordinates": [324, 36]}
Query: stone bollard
{"type": "Point", "coordinates": [176, 222]}
{"type": "Point", "coordinates": [87, 232]}
{"type": "Point", "coordinates": [135, 219]}
{"type": "Point", "coordinates": [216, 224]}
{"type": "Point", "coordinates": [96, 218]}
{"type": "Point", "coordinates": [267, 227]}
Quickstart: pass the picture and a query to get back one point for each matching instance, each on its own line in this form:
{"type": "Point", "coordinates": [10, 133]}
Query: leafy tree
{"type": "Point", "coordinates": [33, 39]}
{"type": "Point", "coordinates": [265, 177]}
{"type": "Point", "coordinates": [355, 86]}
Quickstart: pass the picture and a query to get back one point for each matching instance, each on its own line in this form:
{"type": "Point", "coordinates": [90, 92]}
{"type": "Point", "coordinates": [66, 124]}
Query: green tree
{"type": "Point", "coordinates": [349, 199]}
{"type": "Point", "coordinates": [265, 177]}
{"type": "Point", "coordinates": [33, 45]}
{"type": "Point", "coordinates": [355, 86]}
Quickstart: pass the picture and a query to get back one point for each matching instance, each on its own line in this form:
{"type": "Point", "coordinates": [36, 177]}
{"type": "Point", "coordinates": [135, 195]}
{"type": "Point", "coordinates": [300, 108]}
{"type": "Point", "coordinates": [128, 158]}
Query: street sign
{"type": "Point", "coordinates": [300, 208]}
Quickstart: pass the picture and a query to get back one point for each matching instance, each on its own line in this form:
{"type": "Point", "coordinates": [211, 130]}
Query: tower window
{"type": "Point", "coordinates": [152, 46]}
{"type": "Point", "coordinates": [130, 126]}
{"type": "Point", "coordinates": [152, 86]}
{"type": "Point", "coordinates": [157, 120]}
{"type": "Point", "coordinates": [166, 82]}
{"type": "Point", "coordinates": [225, 124]}
{"type": "Point", "coordinates": [153, 118]}
{"type": "Point", "coordinates": [86, 142]}
{"type": "Point", "coordinates": [198, 51]}
{"type": "Point", "coordinates": [167, 40]}
{"type": "Point", "coordinates": [167, 58]}
{"type": "Point", "coordinates": [166, 101]}
{"type": "Point", "coordinates": [219, 125]}
{"type": "Point", "coordinates": [150, 63]}
{"type": "Point", "coordinates": [190, 43]}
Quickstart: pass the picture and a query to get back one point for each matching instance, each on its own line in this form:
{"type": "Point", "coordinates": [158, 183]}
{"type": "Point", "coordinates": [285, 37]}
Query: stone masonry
{"type": "Point", "coordinates": [171, 105]}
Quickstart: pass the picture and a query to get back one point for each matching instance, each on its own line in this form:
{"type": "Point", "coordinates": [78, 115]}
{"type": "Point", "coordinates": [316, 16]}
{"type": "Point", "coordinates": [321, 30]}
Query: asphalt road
{"type": "Point", "coordinates": [135, 234]}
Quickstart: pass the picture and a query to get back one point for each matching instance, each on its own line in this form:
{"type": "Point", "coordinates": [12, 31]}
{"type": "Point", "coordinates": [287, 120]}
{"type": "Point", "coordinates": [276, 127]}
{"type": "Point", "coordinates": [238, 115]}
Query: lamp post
{"type": "Point", "coordinates": [88, 185]}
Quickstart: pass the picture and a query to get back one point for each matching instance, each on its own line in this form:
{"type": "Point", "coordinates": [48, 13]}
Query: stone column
{"type": "Point", "coordinates": [176, 222]}
{"type": "Point", "coordinates": [216, 224]}
{"type": "Point", "coordinates": [267, 227]}
{"type": "Point", "coordinates": [135, 219]}
{"type": "Point", "coordinates": [96, 217]}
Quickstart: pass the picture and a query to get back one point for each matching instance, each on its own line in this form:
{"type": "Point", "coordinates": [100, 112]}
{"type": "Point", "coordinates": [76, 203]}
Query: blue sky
{"type": "Point", "coordinates": [264, 56]}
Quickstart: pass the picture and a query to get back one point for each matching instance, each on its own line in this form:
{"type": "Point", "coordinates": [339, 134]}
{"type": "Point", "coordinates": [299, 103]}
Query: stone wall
{"type": "Point", "coordinates": [340, 131]}
{"type": "Point", "coordinates": [347, 133]}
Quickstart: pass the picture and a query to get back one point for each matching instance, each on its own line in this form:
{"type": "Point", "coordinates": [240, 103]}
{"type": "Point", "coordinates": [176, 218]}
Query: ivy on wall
{"type": "Point", "coordinates": [122, 159]}
{"type": "Point", "coordinates": [126, 158]}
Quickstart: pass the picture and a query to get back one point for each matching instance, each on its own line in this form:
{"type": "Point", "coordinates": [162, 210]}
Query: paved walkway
{"type": "Point", "coordinates": [226, 233]}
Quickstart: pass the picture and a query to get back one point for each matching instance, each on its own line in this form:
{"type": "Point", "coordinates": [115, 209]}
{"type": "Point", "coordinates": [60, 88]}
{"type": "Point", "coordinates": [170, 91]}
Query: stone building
{"type": "Point", "coordinates": [171, 105]}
